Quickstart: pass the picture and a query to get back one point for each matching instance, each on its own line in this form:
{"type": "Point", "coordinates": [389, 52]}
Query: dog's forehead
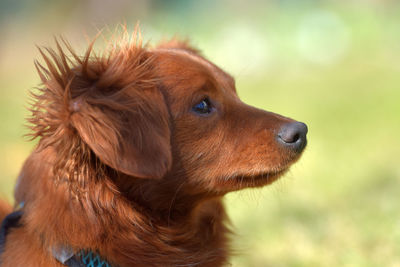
{"type": "Point", "coordinates": [181, 64]}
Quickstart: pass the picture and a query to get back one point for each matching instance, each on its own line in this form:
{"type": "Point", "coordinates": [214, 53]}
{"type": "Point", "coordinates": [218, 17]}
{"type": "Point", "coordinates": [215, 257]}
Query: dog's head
{"type": "Point", "coordinates": [219, 143]}
{"type": "Point", "coordinates": [158, 114]}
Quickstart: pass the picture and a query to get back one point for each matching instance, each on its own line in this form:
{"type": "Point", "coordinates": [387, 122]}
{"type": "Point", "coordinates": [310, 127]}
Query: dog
{"type": "Point", "coordinates": [136, 148]}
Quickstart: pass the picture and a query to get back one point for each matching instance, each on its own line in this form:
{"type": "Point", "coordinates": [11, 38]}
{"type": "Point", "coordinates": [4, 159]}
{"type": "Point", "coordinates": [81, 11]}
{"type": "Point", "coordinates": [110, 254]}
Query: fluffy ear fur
{"type": "Point", "coordinates": [102, 109]}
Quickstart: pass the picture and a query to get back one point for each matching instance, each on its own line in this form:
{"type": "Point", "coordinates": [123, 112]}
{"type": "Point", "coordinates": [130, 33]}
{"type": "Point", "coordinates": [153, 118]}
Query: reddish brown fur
{"type": "Point", "coordinates": [5, 208]}
{"type": "Point", "coordinates": [125, 168]}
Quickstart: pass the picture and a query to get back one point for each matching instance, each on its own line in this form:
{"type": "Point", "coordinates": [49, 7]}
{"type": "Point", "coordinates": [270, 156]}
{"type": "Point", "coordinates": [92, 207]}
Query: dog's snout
{"type": "Point", "coordinates": [293, 135]}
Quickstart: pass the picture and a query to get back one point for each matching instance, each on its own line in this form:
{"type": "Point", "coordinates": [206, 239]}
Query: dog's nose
{"type": "Point", "coordinates": [293, 136]}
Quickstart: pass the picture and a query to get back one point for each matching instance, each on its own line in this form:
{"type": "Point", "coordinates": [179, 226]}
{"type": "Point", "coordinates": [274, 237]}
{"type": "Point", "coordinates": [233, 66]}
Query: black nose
{"type": "Point", "coordinates": [293, 136]}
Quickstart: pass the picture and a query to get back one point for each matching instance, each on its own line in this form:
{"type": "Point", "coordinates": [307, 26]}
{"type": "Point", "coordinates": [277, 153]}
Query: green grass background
{"type": "Point", "coordinates": [339, 205]}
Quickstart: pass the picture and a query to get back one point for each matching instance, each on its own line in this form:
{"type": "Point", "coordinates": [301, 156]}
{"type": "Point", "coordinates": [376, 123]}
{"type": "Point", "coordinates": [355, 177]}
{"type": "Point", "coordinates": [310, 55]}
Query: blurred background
{"type": "Point", "coordinates": [332, 64]}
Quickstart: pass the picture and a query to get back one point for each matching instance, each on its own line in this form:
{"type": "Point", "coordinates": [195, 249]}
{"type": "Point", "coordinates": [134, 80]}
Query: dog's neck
{"type": "Point", "coordinates": [166, 199]}
{"type": "Point", "coordinates": [118, 226]}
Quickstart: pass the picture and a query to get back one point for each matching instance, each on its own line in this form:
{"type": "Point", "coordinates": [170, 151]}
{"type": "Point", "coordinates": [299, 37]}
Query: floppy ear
{"type": "Point", "coordinates": [108, 105]}
{"type": "Point", "coordinates": [128, 131]}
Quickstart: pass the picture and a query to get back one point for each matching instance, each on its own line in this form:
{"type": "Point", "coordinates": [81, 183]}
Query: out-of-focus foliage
{"type": "Point", "coordinates": [332, 64]}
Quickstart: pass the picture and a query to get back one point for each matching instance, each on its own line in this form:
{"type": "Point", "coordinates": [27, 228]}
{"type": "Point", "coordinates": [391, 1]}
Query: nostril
{"type": "Point", "coordinates": [293, 135]}
{"type": "Point", "coordinates": [296, 137]}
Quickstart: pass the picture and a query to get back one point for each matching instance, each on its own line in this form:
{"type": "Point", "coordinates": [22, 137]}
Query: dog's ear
{"type": "Point", "coordinates": [112, 103]}
{"type": "Point", "coordinates": [127, 131]}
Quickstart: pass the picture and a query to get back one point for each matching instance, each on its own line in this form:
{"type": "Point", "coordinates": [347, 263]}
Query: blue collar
{"type": "Point", "coordinates": [83, 258]}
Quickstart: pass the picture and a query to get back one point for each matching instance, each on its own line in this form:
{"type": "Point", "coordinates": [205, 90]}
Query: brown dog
{"type": "Point", "coordinates": [137, 147]}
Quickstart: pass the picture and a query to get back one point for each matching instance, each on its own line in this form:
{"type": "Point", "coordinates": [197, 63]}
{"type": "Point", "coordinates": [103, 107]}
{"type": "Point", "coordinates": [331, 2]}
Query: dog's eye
{"type": "Point", "coordinates": [203, 107]}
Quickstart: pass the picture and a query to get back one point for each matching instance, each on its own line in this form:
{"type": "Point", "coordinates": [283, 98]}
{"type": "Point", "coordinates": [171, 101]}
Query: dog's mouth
{"type": "Point", "coordinates": [240, 181]}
